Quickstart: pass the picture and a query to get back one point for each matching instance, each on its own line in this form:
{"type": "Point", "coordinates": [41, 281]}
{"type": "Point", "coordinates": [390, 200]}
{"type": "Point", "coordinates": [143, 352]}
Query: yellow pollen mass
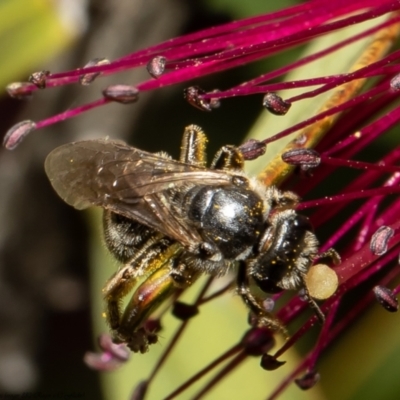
{"type": "Point", "coordinates": [321, 281]}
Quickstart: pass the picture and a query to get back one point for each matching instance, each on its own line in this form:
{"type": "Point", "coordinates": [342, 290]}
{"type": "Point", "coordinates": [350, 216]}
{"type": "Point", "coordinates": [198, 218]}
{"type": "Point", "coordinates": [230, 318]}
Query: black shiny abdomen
{"type": "Point", "coordinates": [229, 217]}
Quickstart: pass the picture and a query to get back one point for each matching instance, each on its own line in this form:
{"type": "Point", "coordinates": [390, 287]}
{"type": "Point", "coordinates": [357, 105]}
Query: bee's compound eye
{"type": "Point", "coordinates": [302, 222]}
{"type": "Point", "coordinates": [268, 284]}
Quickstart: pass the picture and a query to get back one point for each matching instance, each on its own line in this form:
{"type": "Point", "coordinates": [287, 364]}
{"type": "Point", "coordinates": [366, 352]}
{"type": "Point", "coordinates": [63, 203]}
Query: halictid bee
{"type": "Point", "coordinates": [168, 221]}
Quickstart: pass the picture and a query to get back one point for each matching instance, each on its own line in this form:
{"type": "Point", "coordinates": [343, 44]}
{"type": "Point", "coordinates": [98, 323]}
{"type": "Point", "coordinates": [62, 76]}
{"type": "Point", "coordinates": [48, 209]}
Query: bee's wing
{"type": "Point", "coordinates": [127, 181]}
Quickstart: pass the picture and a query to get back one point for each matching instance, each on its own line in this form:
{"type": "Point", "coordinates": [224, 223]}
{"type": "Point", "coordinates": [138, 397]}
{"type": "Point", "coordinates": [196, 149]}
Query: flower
{"type": "Point", "coordinates": [359, 110]}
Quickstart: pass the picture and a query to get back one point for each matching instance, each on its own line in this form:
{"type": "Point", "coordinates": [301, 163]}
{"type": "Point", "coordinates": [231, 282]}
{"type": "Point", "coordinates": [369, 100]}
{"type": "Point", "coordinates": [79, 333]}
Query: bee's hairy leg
{"type": "Point", "coordinates": [183, 276]}
{"type": "Point", "coordinates": [193, 151]}
{"type": "Point", "coordinates": [264, 317]}
{"type": "Point", "coordinates": [311, 302]}
{"type": "Point", "coordinates": [115, 289]}
{"type": "Point", "coordinates": [332, 255]}
{"type": "Point", "coordinates": [193, 146]}
{"type": "Point", "coordinates": [228, 158]}
{"type": "Point", "coordinates": [154, 290]}
{"type": "Point", "coordinates": [160, 285]}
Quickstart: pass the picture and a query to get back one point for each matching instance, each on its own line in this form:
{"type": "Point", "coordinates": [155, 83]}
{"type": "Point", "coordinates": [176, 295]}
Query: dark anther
{"type": "Point", "coordinates": [252, 149]}
{"type": "Point", "coordinates": [124, 94]}
{"type": "Point", "coordinates": [308, 381]}
{"type": "Point", "coordinates": [275, 104]}
{"type": "Point", "coordinates": [192, 93]}
{"type": "Point", "coordinates": [17, 133]}
{"type": "Point", "coordinates": [386, 298]}
{"type": "Point", "coordinates": [379, 240]}
{"type": "Point", "coordinates": [156, 66]}
{"type": "Point", "coordinates": [257, 341]}
{"type": "Point", "coordinates": [140, 391]}
{"type": "Point", "coordinates": [87, 79]}
{"type": "Point", "coordinates": [184, 311]}
{"type": "Point", "coordinates": [270, 363]}
{"type": "Point", "coordinates": [305, 158]}
{"type": "Point", "coordinates": [39, 79]}
{"type": "Point", "coordinates": [19, 90]}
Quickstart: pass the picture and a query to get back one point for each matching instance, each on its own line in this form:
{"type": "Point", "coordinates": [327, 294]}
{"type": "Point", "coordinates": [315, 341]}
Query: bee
{"type": "Point", "coordinates": [168, 221]}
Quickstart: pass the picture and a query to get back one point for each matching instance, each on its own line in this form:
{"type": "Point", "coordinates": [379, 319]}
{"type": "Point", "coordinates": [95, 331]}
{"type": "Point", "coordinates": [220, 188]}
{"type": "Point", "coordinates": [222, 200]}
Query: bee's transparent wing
{"type": "Point", "coordinates": [127, 181]}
